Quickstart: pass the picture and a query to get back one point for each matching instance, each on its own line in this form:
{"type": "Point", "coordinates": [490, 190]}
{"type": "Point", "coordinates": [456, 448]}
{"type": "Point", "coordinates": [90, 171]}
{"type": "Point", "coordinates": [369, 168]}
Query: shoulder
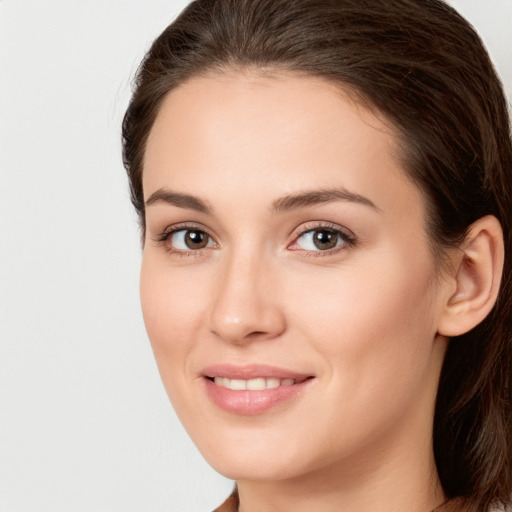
{"type": "Point", "coordinates": [500, 509]}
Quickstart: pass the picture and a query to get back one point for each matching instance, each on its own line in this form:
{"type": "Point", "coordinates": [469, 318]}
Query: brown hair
{"type": "Point", "coordinates": [425, 68]}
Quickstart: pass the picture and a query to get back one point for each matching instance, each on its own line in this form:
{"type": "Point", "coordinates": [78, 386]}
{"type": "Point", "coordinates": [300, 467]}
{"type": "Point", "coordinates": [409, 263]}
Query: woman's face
{"type": "Point", "coordinates": [285, 252]}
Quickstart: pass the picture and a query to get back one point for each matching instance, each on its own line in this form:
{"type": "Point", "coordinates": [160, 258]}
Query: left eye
{"type": "Point", "coordinates": [320, 240]}
{"type": "Point", "coordinates": [190, 240]}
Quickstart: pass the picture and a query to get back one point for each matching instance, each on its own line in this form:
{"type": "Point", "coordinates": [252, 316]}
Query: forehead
{"type": "Point", "coordinates": [250, 130]}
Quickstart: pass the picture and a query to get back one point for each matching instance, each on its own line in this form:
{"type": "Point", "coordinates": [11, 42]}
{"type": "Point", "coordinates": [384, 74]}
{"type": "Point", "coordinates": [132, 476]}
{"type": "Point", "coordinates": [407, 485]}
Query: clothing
{"type": "Point", "coordinates": [231, 504]}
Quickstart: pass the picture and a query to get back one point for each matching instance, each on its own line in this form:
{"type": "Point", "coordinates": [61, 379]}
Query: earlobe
{"type": "Point", "coordinates": [477, 274]}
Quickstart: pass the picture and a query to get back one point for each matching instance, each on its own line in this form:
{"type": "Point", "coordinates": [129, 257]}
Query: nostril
{"type": "Point", "coordinates": [255, 334]}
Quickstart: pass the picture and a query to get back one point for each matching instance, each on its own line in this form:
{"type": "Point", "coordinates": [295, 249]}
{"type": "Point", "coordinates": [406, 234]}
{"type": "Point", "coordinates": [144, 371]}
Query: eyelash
{"type": "Point", "coordinates": [163, 237]}
{"type": "Point", "coordinates": [348, 239]}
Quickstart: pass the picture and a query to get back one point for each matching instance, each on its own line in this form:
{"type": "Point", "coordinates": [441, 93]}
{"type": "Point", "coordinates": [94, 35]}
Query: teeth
{"type": "Point", "coordinates": [237, 384]}
{"type": "Point", "coordinates": [273, 383]}
{"type": "Point", "coordinates": [257, 384]}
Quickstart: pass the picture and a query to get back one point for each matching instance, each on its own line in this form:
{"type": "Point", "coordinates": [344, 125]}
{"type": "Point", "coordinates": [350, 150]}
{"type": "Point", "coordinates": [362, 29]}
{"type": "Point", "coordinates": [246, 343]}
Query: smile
{"type": "Point", "coordinates": [254, 389]}
{"type": "Point", "coordinates": [257, 384]}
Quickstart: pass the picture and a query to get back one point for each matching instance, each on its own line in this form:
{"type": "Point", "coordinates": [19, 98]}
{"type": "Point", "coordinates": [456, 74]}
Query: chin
{"type": "Point", "coordinates": [238, 468]}
{"type": "Point", "coordinates": [257, 457]}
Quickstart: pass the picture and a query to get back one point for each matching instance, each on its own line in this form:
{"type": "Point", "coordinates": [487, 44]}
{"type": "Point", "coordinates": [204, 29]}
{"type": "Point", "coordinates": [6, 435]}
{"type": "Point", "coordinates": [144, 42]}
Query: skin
{"type": "Point", "coordinates": [362, 318]}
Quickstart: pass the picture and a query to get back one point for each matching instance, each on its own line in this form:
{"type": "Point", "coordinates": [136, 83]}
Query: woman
{"type": "Point", "coordinates": [324, 189]}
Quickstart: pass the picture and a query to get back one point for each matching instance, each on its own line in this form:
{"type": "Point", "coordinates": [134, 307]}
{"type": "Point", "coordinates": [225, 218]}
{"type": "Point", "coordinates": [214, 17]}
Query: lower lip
{"type": "Point", "coordinates": [249, 403]}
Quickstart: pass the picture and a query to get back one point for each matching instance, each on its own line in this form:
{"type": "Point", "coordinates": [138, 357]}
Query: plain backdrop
{"type": "Point", "coordinates": [85, 424]}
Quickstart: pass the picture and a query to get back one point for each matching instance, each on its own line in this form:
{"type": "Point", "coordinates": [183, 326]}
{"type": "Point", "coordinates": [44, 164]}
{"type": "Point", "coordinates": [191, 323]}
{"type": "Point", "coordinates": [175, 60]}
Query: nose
{"type": "Point", "coordinates": [245, 305]}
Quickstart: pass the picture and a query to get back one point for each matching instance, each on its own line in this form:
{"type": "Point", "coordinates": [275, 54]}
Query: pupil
{"type": "Point", "coordinates": [196, 239]}
{"type": "Point", "coordinates": [324, 240]}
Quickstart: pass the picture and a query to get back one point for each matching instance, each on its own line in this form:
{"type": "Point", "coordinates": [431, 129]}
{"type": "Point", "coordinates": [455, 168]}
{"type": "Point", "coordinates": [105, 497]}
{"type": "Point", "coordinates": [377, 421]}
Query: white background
{"type": "Point", "coordinates": [85, 424]}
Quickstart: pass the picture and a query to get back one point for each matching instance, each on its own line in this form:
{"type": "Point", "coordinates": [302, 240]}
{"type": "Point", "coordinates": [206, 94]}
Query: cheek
{"type": "Point", "coordinates": [371, 322]}
{"type": "Point", "coordinates": [171, 313]}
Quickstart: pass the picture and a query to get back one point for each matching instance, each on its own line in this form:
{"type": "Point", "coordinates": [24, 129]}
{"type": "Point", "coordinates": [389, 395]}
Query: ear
{"type": "Point", "coordinates": [476, 278]}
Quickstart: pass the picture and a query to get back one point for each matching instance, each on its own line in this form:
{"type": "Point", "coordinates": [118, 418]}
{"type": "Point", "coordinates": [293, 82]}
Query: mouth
{"type": "Point", "coordinates": [256, 384]}
{"type": "Point", "coordinates": [254, 389]}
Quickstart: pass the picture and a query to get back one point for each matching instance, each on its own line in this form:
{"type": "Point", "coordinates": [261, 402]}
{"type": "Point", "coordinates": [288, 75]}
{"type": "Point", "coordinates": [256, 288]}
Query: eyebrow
{"type": "Point", "coordinates": [180, 200]}
{"type": "Point", "coordinates": [281, 205]}
{"type": "Point", "coordinates": [313, 197]}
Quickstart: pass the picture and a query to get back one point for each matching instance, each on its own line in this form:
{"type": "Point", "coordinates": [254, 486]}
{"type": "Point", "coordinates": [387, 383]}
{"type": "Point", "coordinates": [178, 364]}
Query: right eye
{"type": "Point", "coordinates": [189, 240]}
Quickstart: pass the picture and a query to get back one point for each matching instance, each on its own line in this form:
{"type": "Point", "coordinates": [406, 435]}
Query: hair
{"type": "Point", "coordinates": [422, 66]}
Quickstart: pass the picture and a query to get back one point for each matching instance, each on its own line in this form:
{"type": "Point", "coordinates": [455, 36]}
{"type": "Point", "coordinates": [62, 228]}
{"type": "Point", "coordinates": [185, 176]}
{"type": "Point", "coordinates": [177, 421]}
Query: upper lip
{"type": "Point", "coordinates": [251, 371]}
